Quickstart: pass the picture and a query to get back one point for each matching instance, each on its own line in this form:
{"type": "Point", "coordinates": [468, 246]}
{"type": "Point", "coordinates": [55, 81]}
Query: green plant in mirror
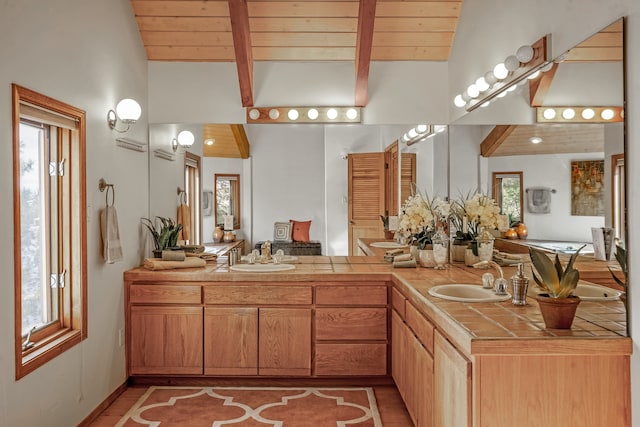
{"type": "Point", "coordinates": [166, 235]}
{"type": "Point", "coordinates": [621, 257]}
{"type": "Point", "coordinates": [555, 280]}
{"type": "Point", "coordinates": [385, 221]}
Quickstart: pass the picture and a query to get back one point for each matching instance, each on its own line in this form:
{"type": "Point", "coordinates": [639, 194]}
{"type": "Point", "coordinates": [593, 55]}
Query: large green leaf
{"type": "Point", "coordinates": [546, 269]}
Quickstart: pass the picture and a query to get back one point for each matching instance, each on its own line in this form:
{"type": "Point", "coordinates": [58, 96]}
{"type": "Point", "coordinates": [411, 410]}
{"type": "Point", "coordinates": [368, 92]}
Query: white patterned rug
{"type": "Point", "coordinates": [254, 407]}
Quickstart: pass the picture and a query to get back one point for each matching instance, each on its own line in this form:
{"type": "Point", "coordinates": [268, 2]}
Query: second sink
{"type": "Point", "coordinates": [464, 292]}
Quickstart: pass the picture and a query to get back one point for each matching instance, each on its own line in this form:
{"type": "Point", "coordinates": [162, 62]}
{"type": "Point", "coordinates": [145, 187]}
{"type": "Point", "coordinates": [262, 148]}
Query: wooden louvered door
{"type": "Point", "coordinates": [407, 175]}
{"type": "Point", "coordinates": [366, 197]}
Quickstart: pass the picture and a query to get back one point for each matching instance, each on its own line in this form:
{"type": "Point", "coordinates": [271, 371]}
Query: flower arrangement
{"type": "Point", "coordinates": [419, 217]}
{"type": "Point", "coordinates": [469, 215]}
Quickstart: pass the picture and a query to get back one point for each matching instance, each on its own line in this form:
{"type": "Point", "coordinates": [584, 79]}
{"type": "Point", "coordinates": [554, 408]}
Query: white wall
{"type": "Point", "coordinates": [553, 171]}
{"type": "Point", "coordinates": [71, 51]}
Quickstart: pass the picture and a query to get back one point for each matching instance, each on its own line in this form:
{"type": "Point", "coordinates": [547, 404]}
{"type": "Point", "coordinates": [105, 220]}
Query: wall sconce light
{"type": "Point", "coordinates": [128, 111]}
{"type": "Point", "coordinates": [526, 63]}
{"type": "Point", "coordinates": [579, 114]}
{"type": "Point", "coordinates": [185, 139]}
{"type": "Point", "coordinates": [303, 115]}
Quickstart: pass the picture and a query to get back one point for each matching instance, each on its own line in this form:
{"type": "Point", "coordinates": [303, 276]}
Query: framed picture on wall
{"type": "Point", "coordinates": [587, 187]}
{"type": "Point", "coordinates": [207, 203]}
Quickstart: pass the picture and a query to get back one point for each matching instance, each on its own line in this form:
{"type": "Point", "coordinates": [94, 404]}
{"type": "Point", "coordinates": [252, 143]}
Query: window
{"type": "Point", "coordinates": [49, 228]}
{"type": "Point", "coordinates": [192, 185]}
{"type": "Point", "coordinates": [507, 192]}
{"type": "Point", "coordinates": [227, 198]}
{"type": "Point", "coordinates": [618, 196]}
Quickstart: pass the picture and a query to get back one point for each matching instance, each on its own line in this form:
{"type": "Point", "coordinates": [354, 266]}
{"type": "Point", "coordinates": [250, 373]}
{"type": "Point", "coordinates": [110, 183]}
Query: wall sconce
{"type": "Point", "coordinates": [579, 114]}
{"type": "Point", "coordinates": [304, 115]}
{"type": "Point", "coordinates": [185, 139]}
{"type": "Point", "coordinates": [524, 64]}
{"type": "Point", "coordinates": [127, 110]}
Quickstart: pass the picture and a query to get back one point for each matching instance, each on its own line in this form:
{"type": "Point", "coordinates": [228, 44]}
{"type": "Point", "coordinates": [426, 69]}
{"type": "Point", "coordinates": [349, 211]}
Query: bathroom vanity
{"type": "Point", "coordinates": [357, 319]}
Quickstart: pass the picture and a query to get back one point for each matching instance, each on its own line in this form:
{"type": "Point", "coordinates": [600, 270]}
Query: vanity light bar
{"type": "Point", "coordinates": [304, 114]}
{"type": "Point", "coordinates": [579, 114]}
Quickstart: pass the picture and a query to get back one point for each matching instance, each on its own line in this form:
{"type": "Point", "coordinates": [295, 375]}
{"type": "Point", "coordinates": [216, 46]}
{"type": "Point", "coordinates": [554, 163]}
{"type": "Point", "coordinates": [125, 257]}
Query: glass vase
{"type": "Point", "coordinates": [440, 242]}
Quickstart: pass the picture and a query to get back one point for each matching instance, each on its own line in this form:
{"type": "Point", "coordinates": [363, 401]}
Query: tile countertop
{"type": "Point", "coordinates": [475, 328]}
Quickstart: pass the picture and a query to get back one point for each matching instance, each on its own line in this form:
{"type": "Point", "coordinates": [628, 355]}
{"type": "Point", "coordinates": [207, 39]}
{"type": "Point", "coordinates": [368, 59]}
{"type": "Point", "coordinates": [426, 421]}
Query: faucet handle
{"type": "Point", "coordinates": [487, 281]}
{"type": "Point", "coordinates": [501, 286]}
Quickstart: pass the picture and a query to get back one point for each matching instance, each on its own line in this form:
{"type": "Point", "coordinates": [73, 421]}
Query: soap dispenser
{"type": "Point", "coordinates": [519, 283]}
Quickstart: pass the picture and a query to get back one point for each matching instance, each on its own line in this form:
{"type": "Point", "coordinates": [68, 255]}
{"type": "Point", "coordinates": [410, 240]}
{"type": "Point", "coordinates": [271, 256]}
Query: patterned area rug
{"type": "Point", "coordinates": [254, 407]}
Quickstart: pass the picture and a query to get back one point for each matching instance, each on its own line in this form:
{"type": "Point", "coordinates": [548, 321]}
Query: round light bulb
{"type": "Point", "coordinates": [524, 53]}
{"type": "Point", "coordinates": [254, 114]}
{"type": "Point", "coordinates": [465, 96]}
{"type": "Point", "coordinates": [490, 78]}
{"type": "Point", "coordinates": [352, 113]}
{"type": "Point", "coordinates": [588, 114]}
{"type": "Point", "coordinates": [186, 138]}
{"type": "Point", "coordinates": [421, 128]}
{"type": "Point", "coordinates": [549, 114]}
{"type": "Point", "coordinates": [512, 88]}
{"type": "Point", "coordinates": [312, 113]}
{"type": "Point", "coordinates": [473, 91]}
{"type": "Point", "coordinates": [482, 84]}
{"type": "Point", "coordinates": [534, 75]}
{"type": "Point", "coordinates": [274, 114]}
{"type": "Point", "coordinates": [413, 133]}
{"type": "Point", "coordinates": [293, 114]}
{"type": "Point", "coordinates": [568, 113]}
{"type": "Point", "coordinates": [332, 113]}
{"type": "Point", "coordinates": [500, 71]}
{"type": "Point", "coordinates": [128, 110]}
{"type": "Point", "coordinates": [458, 101]}
{"type": "Point", "coordinates": [485, 104]}
{"type": "Point", "coordinates": [405, 137]}
{"type": "Point", "coordinates": [607, 114]}
{"type": "Point", "coordinates": [511, 63]}
{"type": "Point", "coordinates": [502, 94]}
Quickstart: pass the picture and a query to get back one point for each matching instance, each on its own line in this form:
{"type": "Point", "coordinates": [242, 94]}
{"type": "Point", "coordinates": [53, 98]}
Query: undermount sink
{"type": "Point", "coordinates": [463, 292]}
{"type": "Point", "coordinates": [261, 268]}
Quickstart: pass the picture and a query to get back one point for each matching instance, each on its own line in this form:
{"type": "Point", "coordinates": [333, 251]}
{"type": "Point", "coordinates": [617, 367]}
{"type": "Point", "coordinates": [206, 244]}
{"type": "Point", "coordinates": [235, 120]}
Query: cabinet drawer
{"type": "Point", "coordinates": [421, 327]}
{"type": "Point", "coordinates": [258, 294]}
{"type": "Point", "coordinates": [165, 294]}
{"type": "Point", "coordinates": [398, 302]}
{"type": "Point", "coordinates": [351, 295]}
{"type": "Point", "coordinates": [351, 323]}
{"type": "Point", "coordinates": [351, 359]}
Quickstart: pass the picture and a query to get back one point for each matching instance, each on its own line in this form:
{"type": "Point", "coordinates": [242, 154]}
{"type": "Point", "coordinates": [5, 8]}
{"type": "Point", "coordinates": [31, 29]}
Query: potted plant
{"type": "Point", "coordinates": [621, 257]}
{"type": "Point", "coordinates": [388, 234]}
{"type": "Point", "coordinates": [165, 236]}
{"type": "Point", "coordinates": [557, 304]}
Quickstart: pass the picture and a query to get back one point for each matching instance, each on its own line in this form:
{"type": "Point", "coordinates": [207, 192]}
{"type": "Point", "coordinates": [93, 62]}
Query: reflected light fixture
{"type": "Point", "coordinates": [505, 76]}
{"type": "Point", "coordinates": [128, 111]}
{"type": "Point", "coordinates": [185, 139]}
{"type": "Point", "coordinates": [421, 132]}
{"type": "Point", "coordinates": [303, 115]}
{"type": "Point", "coordinates": [579, 114]}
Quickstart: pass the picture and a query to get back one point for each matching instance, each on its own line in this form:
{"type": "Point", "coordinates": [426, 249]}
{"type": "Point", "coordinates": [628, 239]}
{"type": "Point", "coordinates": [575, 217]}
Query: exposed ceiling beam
{"type": "Point", "coordinates": [241, 140]}
{"type": "Point", "coordinates": [539, 87]}
{"type": "Point", "coordinates": [366, 20]}
{"type": "Point", "coordinates": [495, 138]}
{"type": "Point", "coordinates": [239, 14]}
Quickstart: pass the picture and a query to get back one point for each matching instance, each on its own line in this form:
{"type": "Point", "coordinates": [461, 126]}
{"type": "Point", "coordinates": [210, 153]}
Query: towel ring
{"type": "Point", "coordinates": [102, 186]}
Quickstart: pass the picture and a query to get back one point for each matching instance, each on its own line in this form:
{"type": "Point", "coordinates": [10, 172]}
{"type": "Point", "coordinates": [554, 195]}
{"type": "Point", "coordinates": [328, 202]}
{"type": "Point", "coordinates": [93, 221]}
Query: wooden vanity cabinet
{"type": "Point", "coordinates": [165, 330]}
{"type": "Point", "coordinates": [252, 329]}
{"type": "Point", "coordinates": [412, 360]}
{"type": "Point", "coordinates": [452, 385]}
{"type": "Point", "coordinates": [351, 330]}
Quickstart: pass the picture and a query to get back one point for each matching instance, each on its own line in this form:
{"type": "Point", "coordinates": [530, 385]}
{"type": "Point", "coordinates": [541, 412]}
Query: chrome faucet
{"type": "Point", "coordinates": [500, 284]}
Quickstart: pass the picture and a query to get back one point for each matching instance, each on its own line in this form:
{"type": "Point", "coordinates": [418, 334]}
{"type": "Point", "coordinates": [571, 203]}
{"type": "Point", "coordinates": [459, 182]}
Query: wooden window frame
{"type": "Point", "coordinates": [235, 198]}
{"type": "Point", "coordinates": [71, 326]}
{"type": "Point", "coordinates": [496, 177]}
{"type": "Point", "coordinates": [194, 194]}
{"type": "Point", "coordinates": [618, 222]}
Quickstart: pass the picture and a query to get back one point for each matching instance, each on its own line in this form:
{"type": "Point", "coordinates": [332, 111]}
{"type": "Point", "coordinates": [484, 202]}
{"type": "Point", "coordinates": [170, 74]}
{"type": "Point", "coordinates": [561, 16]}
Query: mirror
{"type": "Point", "coordinates": [226, 196]}
{"type": "Point", "coordinates": [573, 180]}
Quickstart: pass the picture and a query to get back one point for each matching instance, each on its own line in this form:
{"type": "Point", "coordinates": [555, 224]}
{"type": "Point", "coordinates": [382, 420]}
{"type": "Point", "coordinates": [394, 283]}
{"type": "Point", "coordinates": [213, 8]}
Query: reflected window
{"type": "Point", "coordinates": [192, 187]}
{"type": "Point", "coordinates": [507, 192]}
{"type": "Point", "coordinates": [227, 198]}
{"type": "Point", "coordinates": [618, 195]}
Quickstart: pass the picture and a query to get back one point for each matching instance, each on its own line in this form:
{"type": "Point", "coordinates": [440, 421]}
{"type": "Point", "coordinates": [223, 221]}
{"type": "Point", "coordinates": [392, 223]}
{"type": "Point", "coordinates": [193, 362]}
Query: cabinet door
{"type": "Point", "coordinates": [452, 385]}
{"type": "Point", "coordinates": [398, 353]}
{"type": "Point", "coordinates": [231, 341]}
{"type": "Point", "coordinates": [165, 340]}
{"type": "Point", "coordinates": [285, 341]}
{"type": "Point", "coordinates": [423, 385]}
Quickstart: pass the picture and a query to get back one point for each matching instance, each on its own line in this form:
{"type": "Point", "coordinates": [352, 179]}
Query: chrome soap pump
{"type": "Point", "coordinates": [519, 283]}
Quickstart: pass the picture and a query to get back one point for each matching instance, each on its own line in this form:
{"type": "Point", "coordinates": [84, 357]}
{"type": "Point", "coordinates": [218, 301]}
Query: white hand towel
{"type": "Point", "coordinates": [111, 248]}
